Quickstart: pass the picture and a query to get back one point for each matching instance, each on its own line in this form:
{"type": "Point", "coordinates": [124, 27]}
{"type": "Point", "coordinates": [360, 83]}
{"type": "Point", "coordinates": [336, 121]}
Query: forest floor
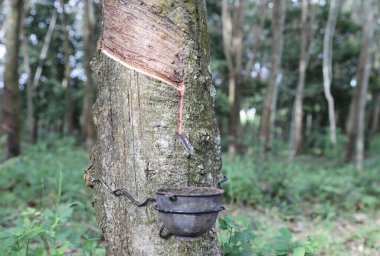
{"type": "Point", "coordinates": [45, 206]}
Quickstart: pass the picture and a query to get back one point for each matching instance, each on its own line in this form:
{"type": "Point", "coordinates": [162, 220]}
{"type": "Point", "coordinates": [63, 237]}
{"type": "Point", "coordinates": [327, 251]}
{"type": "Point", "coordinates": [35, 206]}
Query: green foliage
{"type": "Point", "coordinates": [317, 186]}
{"type": "Point", "coordinates": [238, 239]}
{"type": "Point", "coordinates": [234, 239]}
{"type": "Point", "coordinates": [46, 209]}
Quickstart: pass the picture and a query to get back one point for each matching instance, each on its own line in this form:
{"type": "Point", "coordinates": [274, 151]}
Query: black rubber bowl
{"type": "Point", "coordinates": [189, 212]}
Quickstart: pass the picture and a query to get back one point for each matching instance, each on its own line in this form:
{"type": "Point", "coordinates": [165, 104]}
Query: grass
{"type": "Point", "coordinates": [45, 206]}
{"type": "Point", "coordinates": [275, 207]}
{"type": "Point", "coordinates": [312, 197]}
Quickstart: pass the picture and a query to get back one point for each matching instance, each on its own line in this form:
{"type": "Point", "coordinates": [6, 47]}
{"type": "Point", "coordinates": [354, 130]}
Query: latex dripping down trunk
{"type": "Point", "coordinates": [183, 138]}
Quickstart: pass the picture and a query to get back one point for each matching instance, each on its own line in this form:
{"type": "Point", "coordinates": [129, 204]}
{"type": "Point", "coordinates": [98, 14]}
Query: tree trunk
{"type": "Point", "coordinates": [327, 66]}
{"type": "Point", "coordinates": [33, 81]}
{"type": "Point", "coordinates": [270, 100]}
{"type": "Point", "coordinates": [257, 38]}
{"type": "Point", "coordinates": [89, 44]}
{"type": "Point", "coordinates": [66, 82]}
{"type": "Point", "coordinates": [11, 123]}
{"type": "Point", "coordinates": [364, 69]}
{"type": "Point", "coordinates": [376, 114]}
{"type": "Point", "coordinates": [233, 22]}
{"type": "Point", "coordinates": [136, 118]}
{"type": "Point", "coordinates": [356, 121]}
{"type": "Point", "coordinates": [298, 105]}
{"type": "Point", "coordinates": [29, 82]}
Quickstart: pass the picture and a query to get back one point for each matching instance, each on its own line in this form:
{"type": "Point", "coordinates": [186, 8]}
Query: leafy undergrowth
{"type": "Point", "coordinates": [312, 206]}
{"type": "Point", "coordinates": [45, 208]}
{"type": "Point", "coordinates": [268, 233]}
{"type": "Point", "coordinates": [312, 203]}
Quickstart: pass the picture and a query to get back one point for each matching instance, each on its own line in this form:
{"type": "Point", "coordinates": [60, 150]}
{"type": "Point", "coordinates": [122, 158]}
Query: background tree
{"type": "Point", "coordinates": [233, 25]}
{"type": "Point", "coordinates": [11, 123]}
{"type": "Point", "coordinates": [270, 101]}
{"type": "Point", "coordinates": [327, 66]}
{"type": "Point", "coordinates": [356, 119]}
{"type": "Point", "coordinates": [66, 82]}
{"type": "Point", "coordinates": [136, 119]}
{"type": "Point", "coordinates": [33, 81]}
{"type": "Point", "coordinates": [298, 105]}
{"type": "Point", "coordinates": [89, 44]}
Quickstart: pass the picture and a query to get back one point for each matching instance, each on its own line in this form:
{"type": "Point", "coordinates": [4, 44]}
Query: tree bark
{"type": "Point", "coordinates": [233, 25]}
{"type": "Point", "coordinates": [298, 104]}
{"type": "Point", "coordinates": [327, 66]}
{"type": "Point", "coordinates": [66, 82]}
{"type": "Point", "coordinates": [354, 150]}
{"type": "Point", "coordinates": [136, 118]}
{"type": "Point", "coordinates": [270, 100]}
{"type": "Point", "coordinates": [11, 123]}
{"type": "Point", "coordinates": [89, 44]}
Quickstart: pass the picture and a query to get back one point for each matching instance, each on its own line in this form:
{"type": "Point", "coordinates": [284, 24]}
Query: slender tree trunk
{"type": "Point", "coordinates": [256, 32]}
{"type": "Point", "coordinates": [11, 123]}
{"type": "Point", "coordinates": [29, 82]}
{"type": "Point", "coordinates": [298, 105]}
{"type": "Point", "coordinates": [376, 114]}
{"type": "Point", "coordinates": [66, 82]}
{"type": "Point", "coordinates": [233, 22]}
{"type": "Point", "coordinates": [33, 81]}
{"type": "Point", "coordinates": [89, 43]}
{"type": "Point", "coordinates": [270, 100]}
{"type": "Point", "coordinates": [364, 69]}
{"type": "Point", "coordinates": [327, 66]}
{"type": "Point", "coordinates": [356, 121]}
{"type": "Point", "coordinates": [136, 118]}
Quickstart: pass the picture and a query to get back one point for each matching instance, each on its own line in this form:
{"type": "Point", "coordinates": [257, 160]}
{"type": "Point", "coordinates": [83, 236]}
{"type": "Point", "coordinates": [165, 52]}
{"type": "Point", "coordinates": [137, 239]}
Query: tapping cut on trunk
{"type": "Point", "coordinates": [140, 39]}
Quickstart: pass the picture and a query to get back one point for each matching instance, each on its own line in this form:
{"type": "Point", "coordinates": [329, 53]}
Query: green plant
{"type": "Point", "coordinates": [45, 207]}
{"type": "Point", "coordinates": [234, 239]}
{"type": "Point", "coordinates": [239, 239]}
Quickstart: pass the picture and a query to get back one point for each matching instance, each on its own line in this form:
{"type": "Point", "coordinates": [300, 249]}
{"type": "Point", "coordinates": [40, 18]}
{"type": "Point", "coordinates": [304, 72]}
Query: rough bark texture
{"type": "Point", "coordinates": [298, 104]}
{"type": "Point", "coordinates": [10, 123]}
{"type": "Point", "coordinates": [327, 66]}
{"type": "Point", "coordinates": [89, 43]}
{"type": "Point", "coordinates": [354, 150]}
{"type": "Point", "coordinates": [137, 145]}
{"type": "Point", "coordinates": [66, 82]}
{"type": "Point", "coordinates": [233, 25]}
{"type": "Point", "coordinates": [270, 100]}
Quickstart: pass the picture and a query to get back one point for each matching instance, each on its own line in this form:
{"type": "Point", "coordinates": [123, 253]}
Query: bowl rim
{"type": "Point", "coordinates": [210, 191]}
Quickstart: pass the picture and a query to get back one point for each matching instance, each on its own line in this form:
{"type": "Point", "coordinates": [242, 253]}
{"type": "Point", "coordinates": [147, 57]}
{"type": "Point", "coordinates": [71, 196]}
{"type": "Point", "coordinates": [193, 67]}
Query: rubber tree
{"type": "Point", "coordinates": [327, 66]}
{"type": "Point", "coordinates": [89, 44]}
{"type": "Point", "coordinates": [155, 98]}
{"type": "Point", "coordinates": [270, 99]}
{"type": "Point", "coordinates": [354, 150]}
{"type": "Point", "coordinates": [298, 104]}
{"type": "Point", "coordinates": [11, 123]}
{"type": "Point", "coordinates": [233, 26]}
{"type": "Point", "coordinates": [66, 81]}
{"type": "Point", "coordinates": [33, 81]}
